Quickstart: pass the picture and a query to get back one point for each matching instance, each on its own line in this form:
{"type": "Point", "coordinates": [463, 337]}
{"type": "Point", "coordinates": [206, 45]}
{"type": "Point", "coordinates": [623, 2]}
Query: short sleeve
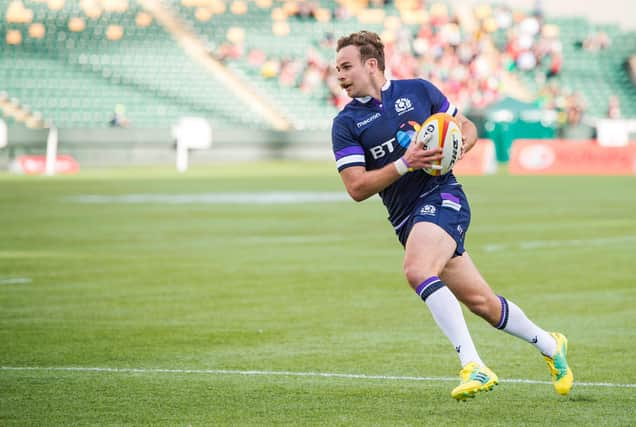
{"type": "Point", "coordinates": [439, 102]}
{"type": "Point", "coordinates": [347, 150]}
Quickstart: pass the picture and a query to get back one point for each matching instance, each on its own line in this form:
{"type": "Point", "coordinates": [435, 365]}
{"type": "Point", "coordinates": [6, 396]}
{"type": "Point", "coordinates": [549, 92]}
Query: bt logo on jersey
{"type": "Point", "coordinates": [383, 149]}
{"type": "Point", "coordinates": [404, 137]}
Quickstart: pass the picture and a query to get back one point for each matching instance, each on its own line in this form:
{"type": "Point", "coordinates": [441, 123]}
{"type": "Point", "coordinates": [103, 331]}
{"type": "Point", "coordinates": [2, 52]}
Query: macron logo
{"type": "Point", "coordinates": [368, 120]}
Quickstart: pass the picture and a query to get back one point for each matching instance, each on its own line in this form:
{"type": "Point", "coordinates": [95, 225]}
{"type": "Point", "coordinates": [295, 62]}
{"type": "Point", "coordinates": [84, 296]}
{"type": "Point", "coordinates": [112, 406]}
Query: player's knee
{"type": "Point", "coordinates": [415, 274]}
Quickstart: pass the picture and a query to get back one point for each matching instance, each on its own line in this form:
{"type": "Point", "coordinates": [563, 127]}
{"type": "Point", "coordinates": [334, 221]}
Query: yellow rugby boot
{"type": "Point", "coordinates": [473, 379]}
{"type": "Point", "coordinates": [562, 376]}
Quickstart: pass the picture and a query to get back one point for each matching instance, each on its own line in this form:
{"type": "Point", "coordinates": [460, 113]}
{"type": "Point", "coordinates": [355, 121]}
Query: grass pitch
{"type": "Point", "coordinates": [147, 297]}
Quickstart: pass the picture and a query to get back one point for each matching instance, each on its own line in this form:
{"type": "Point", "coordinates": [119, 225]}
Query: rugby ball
{"type": "Point", "coordinates": [441, 130]}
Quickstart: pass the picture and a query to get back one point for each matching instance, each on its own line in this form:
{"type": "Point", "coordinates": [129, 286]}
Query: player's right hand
{"type": "Point", "coordinates": [417, 157]}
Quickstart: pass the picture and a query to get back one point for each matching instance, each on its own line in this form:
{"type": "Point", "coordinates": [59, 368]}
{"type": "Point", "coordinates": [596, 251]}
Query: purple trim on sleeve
{"type": "Point", "coordinates": [349, 151]}
{"type": "Point", "coordinates": [449, 196]}
{"type": "Point", "coordinates": [444, 106]}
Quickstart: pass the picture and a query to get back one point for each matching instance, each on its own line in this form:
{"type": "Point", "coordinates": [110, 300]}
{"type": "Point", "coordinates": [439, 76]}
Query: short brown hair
{"type": "Point", "coordinates": [368, 43]}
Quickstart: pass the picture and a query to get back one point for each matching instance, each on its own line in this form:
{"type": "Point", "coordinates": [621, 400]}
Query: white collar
{"type": "Point", "coordinates": [367, 98]}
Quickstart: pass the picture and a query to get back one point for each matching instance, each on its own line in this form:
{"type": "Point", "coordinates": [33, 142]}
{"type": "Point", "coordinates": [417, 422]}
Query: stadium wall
{"type": "Point", "coordinates": [129, 147]}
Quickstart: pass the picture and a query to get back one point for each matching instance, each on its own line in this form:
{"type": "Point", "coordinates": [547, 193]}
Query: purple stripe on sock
{"type": "Point", "coordinates": [429, 287]}
{"type": "Point", "coordinates": [504, 313]}
{"type": "Point", "coordinates": [348, 152]}
{"type": "Point", "coordinates": [449, 196]}
{"type": "Point", "coordinates": [425, 283]}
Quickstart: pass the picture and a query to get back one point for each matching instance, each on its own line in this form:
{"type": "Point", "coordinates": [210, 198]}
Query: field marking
{"type": "Point", "coordinates": [539, 244]}
{"type": "Point", "coordinates": [286, 374]}
{"type": "Point", "coordinates": [14, 280]}
{"type": "Point", "coordinates": [262, 198]}
{"type": "Point", "coordinates": [291, 239]}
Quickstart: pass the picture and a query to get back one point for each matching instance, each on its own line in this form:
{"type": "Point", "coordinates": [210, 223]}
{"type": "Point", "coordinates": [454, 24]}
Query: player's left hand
{"type": "Point", "coordinates": [463, 149]}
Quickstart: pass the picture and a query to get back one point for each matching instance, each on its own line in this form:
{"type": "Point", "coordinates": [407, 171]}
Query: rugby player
{"type": "Point", "coordinates": [371, 140]}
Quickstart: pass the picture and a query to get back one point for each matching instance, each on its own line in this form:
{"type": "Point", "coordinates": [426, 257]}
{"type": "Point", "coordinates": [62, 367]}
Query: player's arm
{"type": "Point", "coordinates": [443, 105]}
{"type": "Point", "coordinates": [469, 132]}
{"type": "Point", "coordinates": [362, 184]}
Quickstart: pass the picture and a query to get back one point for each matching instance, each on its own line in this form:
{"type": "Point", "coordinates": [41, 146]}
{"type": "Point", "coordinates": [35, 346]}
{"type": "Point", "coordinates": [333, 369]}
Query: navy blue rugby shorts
{"type": "Point", "coordinates": [446, 206]}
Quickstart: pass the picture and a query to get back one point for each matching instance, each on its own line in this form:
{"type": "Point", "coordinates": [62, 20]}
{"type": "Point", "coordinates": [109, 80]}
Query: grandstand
{"type": "Point", "coordinates": [266, 64]}
{"type": "Point", "coordinates": [81, 67]}
{"type": "Point", "coordinates": [596, 72]}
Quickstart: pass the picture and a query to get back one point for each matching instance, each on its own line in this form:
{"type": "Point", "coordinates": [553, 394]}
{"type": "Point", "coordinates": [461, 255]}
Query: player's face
{"type": "Point", "coordinates": [354, 76]}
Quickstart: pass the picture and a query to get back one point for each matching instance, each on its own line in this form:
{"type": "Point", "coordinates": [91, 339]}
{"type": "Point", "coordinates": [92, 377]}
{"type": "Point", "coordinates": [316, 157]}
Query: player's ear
{"type": "Point", "coordinates": [372, 63]}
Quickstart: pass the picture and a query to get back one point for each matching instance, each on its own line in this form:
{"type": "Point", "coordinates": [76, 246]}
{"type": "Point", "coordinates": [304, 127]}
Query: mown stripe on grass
{"type": "Point", "coordinates": [285, 373]}
{"type": "Point", "coordinates": [262, 198]}
{"type": "Point", "coordinates": [576, 243]}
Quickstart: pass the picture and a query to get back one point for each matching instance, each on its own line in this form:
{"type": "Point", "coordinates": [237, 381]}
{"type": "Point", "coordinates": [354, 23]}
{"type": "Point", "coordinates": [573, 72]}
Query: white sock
{"type": "Point", "coordinates": [449, 317]}
{"type": "Point", "coordinates": [516, 323]}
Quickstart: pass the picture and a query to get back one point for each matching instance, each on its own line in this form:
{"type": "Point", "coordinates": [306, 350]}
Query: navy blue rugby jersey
{"type": "Point", "coordinates": [373, 133]}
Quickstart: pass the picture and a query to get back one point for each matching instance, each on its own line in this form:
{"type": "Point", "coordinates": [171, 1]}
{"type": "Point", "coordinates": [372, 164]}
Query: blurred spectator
{"type": "Point", "coordinates": [555, 65]}
{"type": "Point", "coordinates": [537, 11]}
{"type": "Point", "coordinates": [550, 97]}
{"type": "Point", "coordinates": [630, 65]}
{"type": "Point", "coordinates": [596, 41]}
{"type": "Point", "coordinates": [342, 12]}
{"type": "Point", "coordinates": [305, 10]}
{"type": "Point", "coordinates": [270, 68]}
{"type": "Point", "coordinates": [256, 57]}
{"type": "Point", "coordinates": [574, 108]}
{"type": "Point", "coordinates": [328, 41]}
{"type": "Point", "coordinates": [119, 119]}
{"type": "Point", "coordinates": [229, 50]}
{"type": "Point", "coordinates": [613, 107]}
{"type": "Point", "coordinates": [312, 77]}
{"type": "Point", "coordinates": [289, 71]}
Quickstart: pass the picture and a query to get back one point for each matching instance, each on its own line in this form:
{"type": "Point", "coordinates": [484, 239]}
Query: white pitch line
{"type": "Point", "coordinates": [14, 280]}
{"type": "Point", "coordinates": [286, 374]}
